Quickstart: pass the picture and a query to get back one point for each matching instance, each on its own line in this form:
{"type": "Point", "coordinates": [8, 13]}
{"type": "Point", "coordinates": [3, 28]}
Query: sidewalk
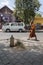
{"type": "Point", "coordinates": [39, 30]}
{"type": "Point", "coordinates": [33, 55]}
{"type": "Point", "coordinates": [36, 30]}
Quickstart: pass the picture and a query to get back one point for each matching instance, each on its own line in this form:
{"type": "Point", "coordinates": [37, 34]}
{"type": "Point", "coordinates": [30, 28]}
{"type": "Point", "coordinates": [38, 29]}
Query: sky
{"type": "Point", "coordinates": [41, 7]}
{"type": "Point", "coordinates": [10, 4]}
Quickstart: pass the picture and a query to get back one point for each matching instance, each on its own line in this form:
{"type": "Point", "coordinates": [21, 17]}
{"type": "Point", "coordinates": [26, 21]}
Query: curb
{"type": "Point", "coordinates": [36, 31]}
{"type": "Point", "coordinates": [28, 30]}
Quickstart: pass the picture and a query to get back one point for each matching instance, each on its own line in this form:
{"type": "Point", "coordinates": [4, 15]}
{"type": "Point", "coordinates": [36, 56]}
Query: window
{"type": "Point", "coordinates": [6, 24]}
{"type": "Point", "coordinates": [20, 24]}
{"type": "Point", "coordinates": [13, 24]}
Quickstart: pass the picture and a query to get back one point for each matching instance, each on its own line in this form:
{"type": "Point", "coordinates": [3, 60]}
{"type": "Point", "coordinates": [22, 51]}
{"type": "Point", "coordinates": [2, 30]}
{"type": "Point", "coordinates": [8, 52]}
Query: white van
{"type": "Point", "coordinates": [13, 27]}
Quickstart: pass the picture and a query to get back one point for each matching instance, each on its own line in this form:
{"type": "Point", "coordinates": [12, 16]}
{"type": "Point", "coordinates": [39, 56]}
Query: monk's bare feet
{"type": "Point", "coordinates": [36, 40]}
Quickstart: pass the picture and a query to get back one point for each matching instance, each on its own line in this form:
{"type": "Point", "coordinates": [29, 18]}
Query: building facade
{"type": "Point", "coordinates": [38, 20]}
{"type": "Point", "coordinates": [6, 15]}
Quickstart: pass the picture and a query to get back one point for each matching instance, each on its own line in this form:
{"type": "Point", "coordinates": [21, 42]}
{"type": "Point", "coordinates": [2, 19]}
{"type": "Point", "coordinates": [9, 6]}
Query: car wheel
{"type": "Point", "coordinates": [7, 30]}
{"type": "Point", "coordinates": [20, 30]}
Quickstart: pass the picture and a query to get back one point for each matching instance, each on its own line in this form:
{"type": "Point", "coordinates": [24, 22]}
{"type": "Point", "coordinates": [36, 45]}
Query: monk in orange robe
{"type": "Point", "coordinates": [32, 31]}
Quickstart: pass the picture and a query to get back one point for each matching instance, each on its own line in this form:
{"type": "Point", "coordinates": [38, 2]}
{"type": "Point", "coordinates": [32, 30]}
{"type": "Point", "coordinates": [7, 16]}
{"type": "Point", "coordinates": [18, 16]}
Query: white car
{"type": "Point", "coordinates": [13, 27]}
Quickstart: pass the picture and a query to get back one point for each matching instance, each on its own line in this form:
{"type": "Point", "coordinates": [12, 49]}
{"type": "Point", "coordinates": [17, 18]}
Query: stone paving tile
{"type": "Point", "coordinates": [36, 63]}
{"type": "Point", "coordinates": [18, 64]}
{"type": "Point", "coordinates": [1, 63]}
{"type": "Point", "coordinates": [9, 63]}
{"type": "Point", "coordinates": [12, 56]}
{"type": "Point", "coordinates": [27, 63]}
{"type": "Point", "coordinates": [5, 60]}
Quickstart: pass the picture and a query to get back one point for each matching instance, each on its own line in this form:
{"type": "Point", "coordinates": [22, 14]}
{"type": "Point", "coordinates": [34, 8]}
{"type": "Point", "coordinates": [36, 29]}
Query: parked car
{"type": "Point", "coordinates": [13, 27]}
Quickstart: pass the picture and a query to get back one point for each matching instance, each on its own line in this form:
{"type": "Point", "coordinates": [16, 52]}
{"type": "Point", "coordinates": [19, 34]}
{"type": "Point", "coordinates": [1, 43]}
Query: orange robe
{"type": "Point", "coordinates": [32, 31]}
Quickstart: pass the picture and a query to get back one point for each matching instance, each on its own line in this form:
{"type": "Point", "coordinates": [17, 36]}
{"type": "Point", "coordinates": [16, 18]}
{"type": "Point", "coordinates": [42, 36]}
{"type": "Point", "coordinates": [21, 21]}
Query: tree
{"type": "Point", "coordinates": [38, 15]}
{"type": "Point", "coordinates": [27, 9]}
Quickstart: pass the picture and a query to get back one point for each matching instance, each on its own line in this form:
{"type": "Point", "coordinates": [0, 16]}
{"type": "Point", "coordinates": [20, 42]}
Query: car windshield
{"type": "Point", "coordinates": [14, 24]}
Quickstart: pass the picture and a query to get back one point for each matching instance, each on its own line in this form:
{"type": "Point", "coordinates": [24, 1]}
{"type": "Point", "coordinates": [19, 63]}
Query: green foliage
{"type": "Point", "coordinates": [27, 9]}
{"type": "Point", "coordinates": [38, 15]}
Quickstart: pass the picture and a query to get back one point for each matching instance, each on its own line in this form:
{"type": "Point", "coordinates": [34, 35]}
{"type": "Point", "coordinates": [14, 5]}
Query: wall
{"type": "Point", "coordinates": [38, 20]}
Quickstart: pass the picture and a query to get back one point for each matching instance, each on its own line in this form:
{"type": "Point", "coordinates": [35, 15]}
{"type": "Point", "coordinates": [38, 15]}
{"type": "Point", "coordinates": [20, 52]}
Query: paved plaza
{"type": "Point", "coordinates": [32, 55]}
